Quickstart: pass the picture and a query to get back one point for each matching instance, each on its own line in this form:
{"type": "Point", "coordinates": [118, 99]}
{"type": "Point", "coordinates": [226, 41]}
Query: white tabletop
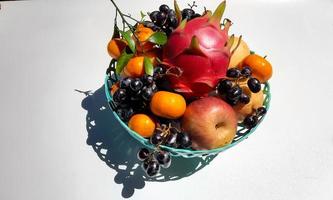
{"type": "Point", "coordinates": [49, 48]}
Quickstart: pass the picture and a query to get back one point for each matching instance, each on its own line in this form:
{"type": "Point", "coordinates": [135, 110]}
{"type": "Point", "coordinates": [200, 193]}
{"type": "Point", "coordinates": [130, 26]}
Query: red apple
{"type": "Point", "coordinates": [210, 122]}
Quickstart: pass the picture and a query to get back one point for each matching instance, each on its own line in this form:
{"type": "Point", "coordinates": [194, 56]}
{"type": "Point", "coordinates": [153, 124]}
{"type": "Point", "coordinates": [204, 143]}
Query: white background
{"type": "Point", "coordinates": [49, 48]}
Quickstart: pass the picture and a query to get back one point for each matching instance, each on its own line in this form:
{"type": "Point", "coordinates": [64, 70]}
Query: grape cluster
{"type": "Point", "coordinates": [165, 135]}
{"type": "Point", "coordinates": [153, 161]}
{"type": "Point", "coordinates": [189, 14]}
{"type": "Point", "coordinates": [231, 90]}
{"type": "Point", "coordinates": [252, 120]}
{"type": "Point", "coordinates": [171, 137]}
{"type": "Point", "coordinates": [134, 95]}
{"type": "Point", "coordinates": [164, 19]}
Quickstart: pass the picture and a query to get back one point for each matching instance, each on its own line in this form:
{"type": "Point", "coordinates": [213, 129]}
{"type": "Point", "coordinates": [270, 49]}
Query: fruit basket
{"type": "Point", "coordinates": [182, 86]}
{"type": "Point", "coordinates": [242, 131]}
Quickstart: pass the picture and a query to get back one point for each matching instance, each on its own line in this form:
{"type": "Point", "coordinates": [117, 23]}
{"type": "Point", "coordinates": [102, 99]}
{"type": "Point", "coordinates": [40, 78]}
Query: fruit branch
{"type": "Point", "coordinates": [130, 17]}
{"type": "Point", "coordinates": [122, 15]}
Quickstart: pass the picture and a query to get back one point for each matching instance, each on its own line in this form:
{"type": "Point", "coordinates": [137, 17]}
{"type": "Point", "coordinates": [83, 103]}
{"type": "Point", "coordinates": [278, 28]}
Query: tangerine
{"type": "Point", "coordinates": [116, 47]}
{"type": "Point", "coordinates": [168, 105]}
{"type": "Point", "coordinates": [142, 124]}
{"type": "Point", "coordinates": [135, 67]}
{"type": "Point", "coordinates": [261, 68]}
{"type": "Point", "coordinates": [143, 34]}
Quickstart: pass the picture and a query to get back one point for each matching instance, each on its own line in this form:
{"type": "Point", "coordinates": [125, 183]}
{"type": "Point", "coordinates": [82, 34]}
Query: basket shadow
{"type": "Point", "coordinates": [114, 146]}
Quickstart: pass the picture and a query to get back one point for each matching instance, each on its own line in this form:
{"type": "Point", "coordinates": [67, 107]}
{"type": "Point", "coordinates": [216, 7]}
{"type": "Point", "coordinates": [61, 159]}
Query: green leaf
{"type": "Point", "coordinates": [149, 68]}
{"type": "Point", "coordinates": [159, 38]}
{"type": "Point", "coordinates": [122, 62]}
{"type": "Point", "coordinates": [128, 37]}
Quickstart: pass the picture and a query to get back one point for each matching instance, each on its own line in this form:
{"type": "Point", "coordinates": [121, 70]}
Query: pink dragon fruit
{"type": "Point", "coordinates": [201, 51]}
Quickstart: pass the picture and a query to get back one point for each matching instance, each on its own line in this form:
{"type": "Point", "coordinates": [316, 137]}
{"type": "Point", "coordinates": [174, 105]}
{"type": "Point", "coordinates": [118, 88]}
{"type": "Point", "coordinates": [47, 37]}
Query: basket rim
{"type": "Point", "coordinates": [146, 143]}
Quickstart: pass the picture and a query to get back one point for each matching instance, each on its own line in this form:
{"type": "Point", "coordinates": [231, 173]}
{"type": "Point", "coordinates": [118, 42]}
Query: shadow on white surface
{"type": "Point", "coordinates": [118, 149]}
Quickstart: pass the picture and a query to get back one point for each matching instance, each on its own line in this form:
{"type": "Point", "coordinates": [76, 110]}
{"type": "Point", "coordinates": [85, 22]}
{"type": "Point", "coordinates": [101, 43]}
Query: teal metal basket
{"type": "Point", "coordinates": [242, 132]}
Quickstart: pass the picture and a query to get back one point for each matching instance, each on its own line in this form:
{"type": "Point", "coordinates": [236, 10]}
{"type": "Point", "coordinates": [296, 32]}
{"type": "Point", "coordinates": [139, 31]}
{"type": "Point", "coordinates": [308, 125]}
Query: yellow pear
{"type": "Point", "coordinates": [239, 54]}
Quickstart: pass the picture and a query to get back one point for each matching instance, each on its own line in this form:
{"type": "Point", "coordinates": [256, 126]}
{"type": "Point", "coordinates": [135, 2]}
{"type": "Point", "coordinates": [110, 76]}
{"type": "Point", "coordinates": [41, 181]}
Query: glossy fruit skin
{"type": "Point", "coordinates": [187, 13]}
{"type": "Point", "coordinates": [153, 168]}
{"type": "Point", "coordinates": [120, 96]}
{"type": "Point", "coordinates": [250, 121]}
{"type": "Point", "coordinates": [183, 140]}
{"type": "Point", "coordinates": [261, 111]}
{"type": "Point", "coordinates": [261, 68]}
{"type": "Point", "coordinates": [201, 119]}
{"type": "Point", "coordinates": [254, 85]}
{"type": "Point", "coordinates": [256, 101]}
{"type": "Point", "coordinates": [147, 93]}
{"type": "Point", "coordinates": [153, 16]}
{"type": "Point", "coordinates": [115, 47]}
{"type": "Point", "coordinates": [233, 73]}
{"type": "Point", "coordinates": [245, 99]}
{"type": "Point", "coordinates": [164, 8]}
{"type": "Point", "coordinates": [171, 140]}
{"type": "Point", "coordinates": [142, 124]}
{"type": "Point", "coordinates": [224, 86]}
{"type": "Point", "coordinates": [168, 105]}
{"type": "Point", "coordinates": [246, 72]}
{"type": "Point", "coordinates": [143, 154]}
{"type": "Point", "coordinates": [134, 67]}
{"type": "Point", "coordinates": [202, 66]}
{"type": "Point", "coordinates": [156, 138]}
{"type": "Point", "coordinates": [163, 158]}
{"type": "Point", "coordinates": [126, 82]}
{"type": "Point", "coordinates": [136, 86]}
{"type": "Point", "coordinates": [234, 93]}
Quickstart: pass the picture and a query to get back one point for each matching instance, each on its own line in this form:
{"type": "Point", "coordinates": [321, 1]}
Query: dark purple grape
{"type": "Point", "coordinates": [126, 82]}
{"type": "Point", "coordinates": [164, 8]}
{"type": "Point", "coordinates": [154, 87]}
{"type": "Point", "coordinates": [163, 158]}
{"type": "Point", "coordinates": [143, 154]}
{"type": "Point", "coordinates": [120, 95]}
{"type": "Point", "coordinates": [152, 168]}
{"type": "Point", "coordinates": [250, 121]}
{"type": "Point", "coordinates": [147, 80]}
{"type": "Point", "coordinates": [172, 21]}
{"type": "Point", "coordinates": [160, 18]}
{"type": "Point", "coordinates": [246, 72]}
{"type": "Point", "coordinates": [187, 13]}
{"type": "Point", "coordinates": [254, 85]}
{"type": "Point", "coordinates": [183, 140]}
{"type": "Point", "coordinates": [234, 93]}
{"type": "Point", "coordinates": [171, 13]}
{"type": "Point", "coordinates": [224, 86]}
{"type": "Point", "coordinates": [232, 102]}
{"type": "Point", "coordinates": [172, 140]}
{"type": "Point", "coordinates": [244, 99]}
{"type": "Point", "coordinates": [156, 138]}
{"type": "Point", "coordinates": [148, 24]}
{"type": "Point", "coordinates": [147, 93]}
{"type": "Point", "coordinates": [136, 85]}
{"type": "Point", "coordinates": [196, 15]}
{"type": "Point", "coordinates": [233, 73]}
{"type": "Point", "coordinates": [145, 164]}
{"type": "Point", "coordinates": [159, 72]}
{"type": "Point", "coordinates": [127, 114]}
{"type": "Point", "coordinates": [153, 16]}
{"type": "Point", "coordinates": [261, 111]}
